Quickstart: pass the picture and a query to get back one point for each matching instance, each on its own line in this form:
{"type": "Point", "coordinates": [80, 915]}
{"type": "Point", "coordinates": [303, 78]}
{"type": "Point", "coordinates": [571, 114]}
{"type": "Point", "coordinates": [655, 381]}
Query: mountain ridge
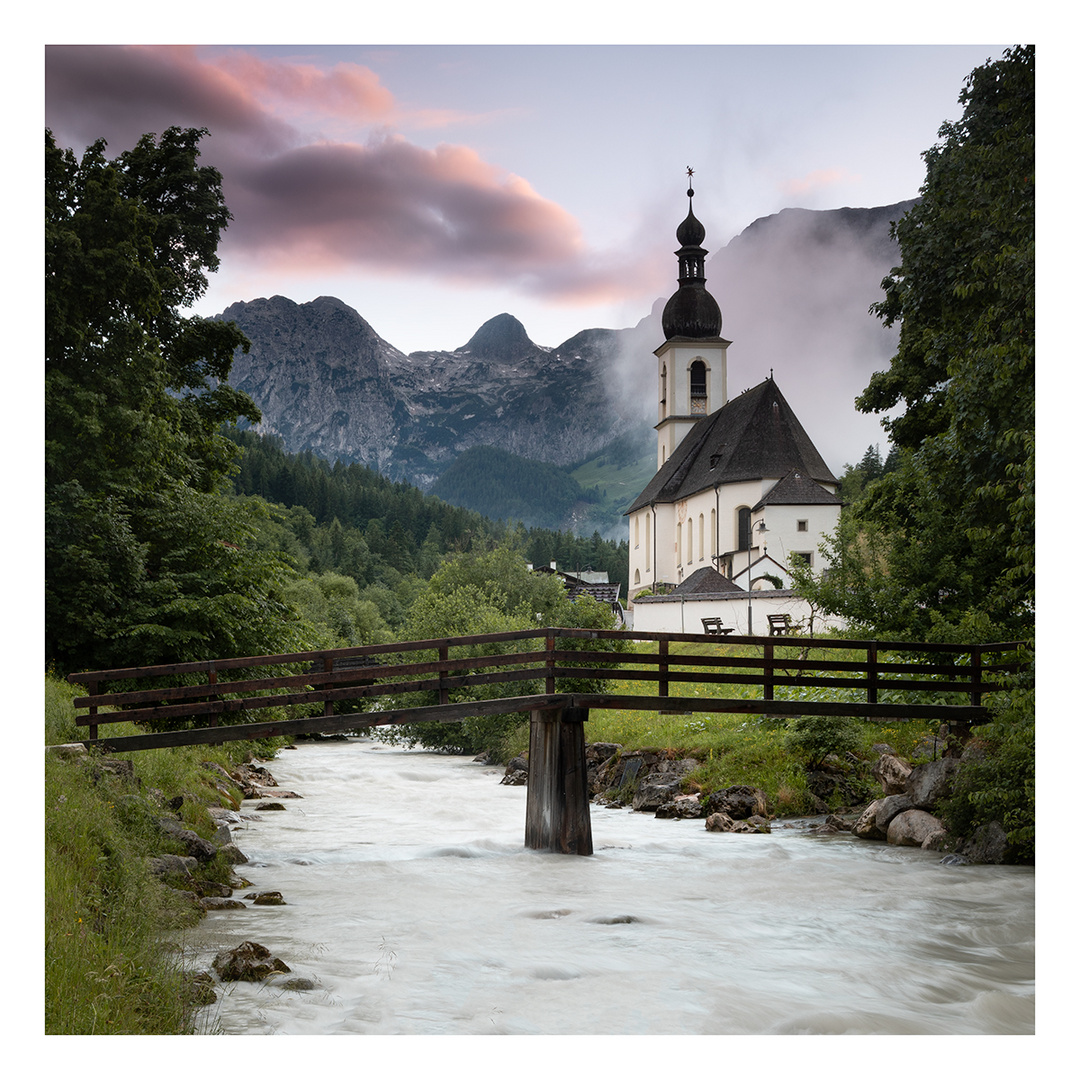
{"type": "Point", "coordinates": [327, 382]}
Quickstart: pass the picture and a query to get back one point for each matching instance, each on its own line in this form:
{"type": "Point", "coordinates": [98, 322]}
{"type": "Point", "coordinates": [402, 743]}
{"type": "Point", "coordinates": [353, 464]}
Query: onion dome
{"type": "Point", "coordinates": [691, 312]}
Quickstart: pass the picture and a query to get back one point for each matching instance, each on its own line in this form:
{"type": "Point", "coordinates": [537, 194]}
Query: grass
{"type": "Point", "coordinates": [113, 931]}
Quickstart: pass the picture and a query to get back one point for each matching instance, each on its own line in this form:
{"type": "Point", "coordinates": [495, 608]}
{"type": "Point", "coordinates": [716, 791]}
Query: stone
{"type": "Point", "coordinates": [219, 903]}
{"type": "Point", "coordinates": [682, 806]}
{"type": "Point", "coordinates": [720, 822]}
{"type": "Point", "coordinates": [929, 783]}
{"type": "Point", "coordinates": [174, 866]}
{"type": "Point", "coordinates": [738, 802]}
{"type": "Point", "coordinates": [67, 750]}
{"type": "Point", "coordinates": [517, 772]}
{"type": "Point", "coordinates": [232, 854]}
{"type": "Point", "coordinates": [913, 828]}
{"type": "Point", "coordinates": [988, 844]}
{"type": "Point", "coordinates": [270, 806]}
{"type": "Point", "coordinates": [196, 846]}
{"type": "Point", "coordinates": [891, 773]}
{"type": "Point", "coordinates": [266, 899]}
{"type": "Point", "coordinates": [248, 962]}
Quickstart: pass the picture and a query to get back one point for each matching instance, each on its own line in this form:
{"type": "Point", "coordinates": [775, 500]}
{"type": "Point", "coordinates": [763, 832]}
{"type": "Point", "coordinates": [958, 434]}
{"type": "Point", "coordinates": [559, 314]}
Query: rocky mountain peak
{"type": "Point", "coordinates": [502, 338]}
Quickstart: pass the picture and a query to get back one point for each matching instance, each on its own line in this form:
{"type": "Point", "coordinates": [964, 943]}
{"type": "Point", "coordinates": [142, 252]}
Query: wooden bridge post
{"type": "Point", "coordinates": [557, 799]}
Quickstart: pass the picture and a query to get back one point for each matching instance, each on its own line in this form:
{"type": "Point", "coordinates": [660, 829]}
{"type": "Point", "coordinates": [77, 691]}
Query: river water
{"type": "Point", "coordinates": [415, 909]}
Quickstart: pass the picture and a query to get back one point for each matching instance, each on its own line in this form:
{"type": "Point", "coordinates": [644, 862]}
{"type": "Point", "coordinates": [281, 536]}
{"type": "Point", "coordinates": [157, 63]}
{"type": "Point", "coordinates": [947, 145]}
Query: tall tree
{"type": "Point", "coordinates": [958, 509]}
{"type": "Point", "coordinates": [144, 561]}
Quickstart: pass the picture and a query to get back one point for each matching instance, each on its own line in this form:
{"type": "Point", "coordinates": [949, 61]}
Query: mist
{"type": "Point", "coordinates": [794, 291]}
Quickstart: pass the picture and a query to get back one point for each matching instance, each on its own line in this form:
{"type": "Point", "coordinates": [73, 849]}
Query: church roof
{"type": "Point", "coordinates": [797, 489]}
{"type": "Point", "coordinates": [753, 436]}
{"type": "Point", "coordinates": [707, 582]}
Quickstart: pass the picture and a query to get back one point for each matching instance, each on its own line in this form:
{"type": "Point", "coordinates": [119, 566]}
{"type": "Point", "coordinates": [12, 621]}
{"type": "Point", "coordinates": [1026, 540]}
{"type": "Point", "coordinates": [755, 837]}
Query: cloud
{"type": "Point", "coordinates": [814, 181]}
{"type": "Point", "coordinates": [301, 200]}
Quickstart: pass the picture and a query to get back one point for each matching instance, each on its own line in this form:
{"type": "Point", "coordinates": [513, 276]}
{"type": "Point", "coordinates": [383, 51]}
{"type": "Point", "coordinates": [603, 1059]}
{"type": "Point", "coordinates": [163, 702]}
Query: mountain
{"type": "Point", "coordinates": [326, 382]}
{"type": "Point", "coordinates": [794, 289]}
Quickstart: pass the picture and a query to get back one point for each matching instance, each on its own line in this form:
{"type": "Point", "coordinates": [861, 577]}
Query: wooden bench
{"type": "Point", "coordinates": [782, 624]}
{"type": "Point", "coordinates": [716, 626]}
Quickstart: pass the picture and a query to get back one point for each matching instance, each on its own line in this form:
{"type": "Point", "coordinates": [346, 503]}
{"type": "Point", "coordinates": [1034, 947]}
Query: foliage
{"type": "Point", "coordinates": [487, 593]}
{"type": "Point", "coordinates": [349, 519]}
{"type": "Point", "coordinates": [145, 562]}
{"type": "Point", "coordinates": [1000, 786]}
{"type": "Point", "coordinates": [816, 737]}
{"type": "Point", "coordinates": [507, 487]}
{"type": "Point", "coordinates": [959, 508]}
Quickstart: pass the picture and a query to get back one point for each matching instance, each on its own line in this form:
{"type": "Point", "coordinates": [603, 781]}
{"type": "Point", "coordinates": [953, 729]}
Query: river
{"type": "Point", "coordinates": [415, 909]}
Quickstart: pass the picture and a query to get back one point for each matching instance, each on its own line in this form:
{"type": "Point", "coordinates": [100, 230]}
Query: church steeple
{"type": "Point", "coordinates": [693, 353]}
{"type": "Point", "coordinates": [691, 312]}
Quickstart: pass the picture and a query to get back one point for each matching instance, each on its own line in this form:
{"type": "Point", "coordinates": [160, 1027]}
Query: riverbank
{"type": "Point", "coordinates": [112, 915]}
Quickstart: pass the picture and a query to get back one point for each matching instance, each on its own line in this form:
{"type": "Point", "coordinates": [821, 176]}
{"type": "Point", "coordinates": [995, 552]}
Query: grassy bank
{"type": "Point", "coordinates": [112, 931]}
{"type": "Point", "coordinates": [743, 748]}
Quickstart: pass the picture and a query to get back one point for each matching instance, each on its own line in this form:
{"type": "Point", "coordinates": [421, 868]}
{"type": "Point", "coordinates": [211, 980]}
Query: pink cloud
{"type": "Point", "coordinates": [813, 181]}
{"type": "Point", "coordinates": [300, 200]}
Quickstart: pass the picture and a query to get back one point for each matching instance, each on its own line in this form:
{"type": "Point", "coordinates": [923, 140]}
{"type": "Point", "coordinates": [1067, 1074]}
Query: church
{"type": "Point", "coordinates": [740, 493]}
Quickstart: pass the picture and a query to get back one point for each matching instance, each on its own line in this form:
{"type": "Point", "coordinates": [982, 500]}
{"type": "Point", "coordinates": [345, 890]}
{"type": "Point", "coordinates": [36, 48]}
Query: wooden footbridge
{"type": "Point", "coordinates": [553, 675]}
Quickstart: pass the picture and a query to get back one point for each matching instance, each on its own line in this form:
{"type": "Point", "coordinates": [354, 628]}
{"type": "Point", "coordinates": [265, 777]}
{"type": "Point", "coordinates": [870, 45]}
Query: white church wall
{"type": "Point", "coordinates": [667, 616]}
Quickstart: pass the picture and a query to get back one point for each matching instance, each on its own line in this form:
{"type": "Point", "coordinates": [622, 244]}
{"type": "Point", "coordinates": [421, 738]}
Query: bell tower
{"type": "Point", "coordinates": [692, 362]}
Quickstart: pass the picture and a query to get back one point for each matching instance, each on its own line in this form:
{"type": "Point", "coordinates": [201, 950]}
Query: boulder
{"type": "Point", "coordinates": [891, 773]}
{"type": "Point", "coordinates": [219, 903]}
{"type": "Point", "coordinates": [232, 854]}
{"type": "Point", "coordinates": [873, 822]}
{"type": "Point", "coordinates": [173, 866]}
{"type": "Point", "coordinates": [916, 828]}
{"type": "Point", "coordinates": [720, 822]}
{"type": "Point", "coordinates": [67, 750]}
{"type": "Point", "coordinates": [662, 783]}
{"type": "Point", "coordinates": [929, 783]}
{"type": "Point", "coordinates": [739, 802]}
{"type": "Point", "coordinates": [987, 844]}
{"type": "Point", "coordinates": [517, 772]}
{"type": "Point", "coordinates": [248, 962]}
{"type": "Point", "coordinates": [196, 846]}
{"type": "Point", "coordinates": [266, 899]}
{"type": "Point", "coordinates": [682, 806]}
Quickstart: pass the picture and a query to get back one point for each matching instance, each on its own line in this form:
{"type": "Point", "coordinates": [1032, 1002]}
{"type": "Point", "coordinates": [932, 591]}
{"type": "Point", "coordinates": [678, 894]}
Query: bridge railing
{"type": "Point", "coordinates": [442, 679]}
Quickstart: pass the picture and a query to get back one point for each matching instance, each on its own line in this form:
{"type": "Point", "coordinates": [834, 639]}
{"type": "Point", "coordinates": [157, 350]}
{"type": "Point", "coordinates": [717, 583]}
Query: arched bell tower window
{"type": "Point", "coordinates": [699, 388]}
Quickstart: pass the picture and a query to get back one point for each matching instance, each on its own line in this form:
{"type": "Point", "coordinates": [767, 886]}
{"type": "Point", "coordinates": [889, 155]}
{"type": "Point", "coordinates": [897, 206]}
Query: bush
{"type": "Point", "coordinates": [1001, 786]}
{"type": "Point", "coordinates": [816, 737]}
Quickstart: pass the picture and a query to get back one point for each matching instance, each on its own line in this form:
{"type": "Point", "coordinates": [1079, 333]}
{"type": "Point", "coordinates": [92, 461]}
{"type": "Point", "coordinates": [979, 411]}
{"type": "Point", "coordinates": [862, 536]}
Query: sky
{"type": "Point", "coordinates": [432, 187]}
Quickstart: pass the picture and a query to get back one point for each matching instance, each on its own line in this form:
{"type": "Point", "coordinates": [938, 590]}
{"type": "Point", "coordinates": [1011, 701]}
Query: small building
{"type": "Point", "coordinates": [740, 490]}
{"type": "Point", "coordinates": [592, 583]}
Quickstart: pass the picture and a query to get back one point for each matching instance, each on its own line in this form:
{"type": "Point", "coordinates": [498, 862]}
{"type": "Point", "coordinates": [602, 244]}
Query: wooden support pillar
{"type": "Point", "coordinates": [557, 800]}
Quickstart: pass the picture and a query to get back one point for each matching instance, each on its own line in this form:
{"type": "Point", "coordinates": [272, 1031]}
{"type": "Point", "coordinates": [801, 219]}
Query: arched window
{"type": "Point", "coordinates": [712, 531]}
{"type": "Point", "coordinates": [744, 528]}
{"type": "Point", "coordinates": [699, 388]}
{"type": "Point", "coordinates": [663, 391]}
{"type": "Point", "coordinates": [690, 541]}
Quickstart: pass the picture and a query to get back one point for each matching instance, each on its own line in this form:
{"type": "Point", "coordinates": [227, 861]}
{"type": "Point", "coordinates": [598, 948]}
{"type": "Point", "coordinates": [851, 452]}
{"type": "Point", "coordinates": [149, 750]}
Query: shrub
{"type": "Point", "coordinates": [816, 737]}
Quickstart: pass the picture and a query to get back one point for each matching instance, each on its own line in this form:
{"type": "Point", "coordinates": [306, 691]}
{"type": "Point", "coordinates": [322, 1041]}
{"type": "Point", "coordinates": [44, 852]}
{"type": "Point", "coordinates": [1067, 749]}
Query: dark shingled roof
{"type": "Point", "coordinates": [751, 437]}
{"type": "Point", "coordinates": [707, 582]}
{"type": "Point", "coordinates": [795, 489]}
